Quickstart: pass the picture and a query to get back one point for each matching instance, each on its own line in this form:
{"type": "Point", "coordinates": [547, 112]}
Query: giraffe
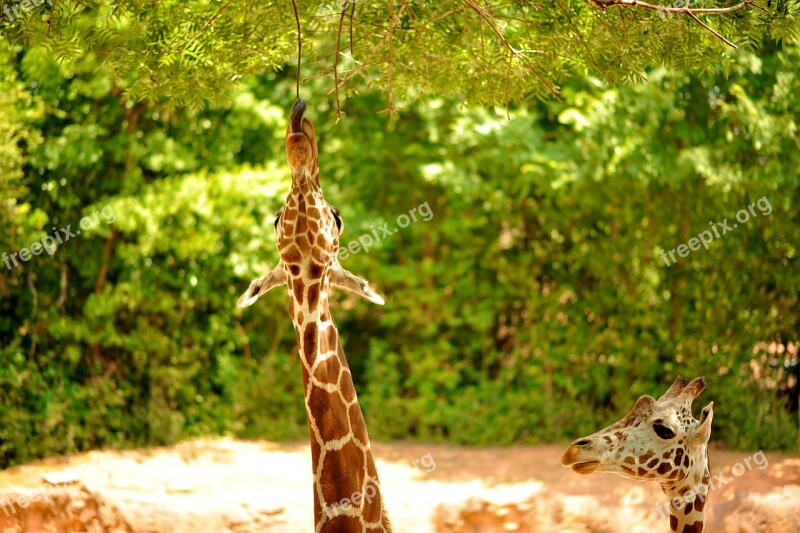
{"type": "Point", "coordinates": [657, 440]}
{"type": "Point", "coordinates": [347, 496]}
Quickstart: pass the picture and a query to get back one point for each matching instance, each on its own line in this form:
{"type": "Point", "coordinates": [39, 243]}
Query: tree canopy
{"type": "Point", "coordinates": [187, 52]}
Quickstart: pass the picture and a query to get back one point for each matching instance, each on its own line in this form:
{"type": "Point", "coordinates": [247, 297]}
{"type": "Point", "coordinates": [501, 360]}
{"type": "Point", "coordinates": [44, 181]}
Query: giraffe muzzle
{"type": "Point", "coordinates": [581, 456]}
{"type": "Point", "coordinates": [297, 115]}
{"type": "Point", "coordinates": [300, 144]}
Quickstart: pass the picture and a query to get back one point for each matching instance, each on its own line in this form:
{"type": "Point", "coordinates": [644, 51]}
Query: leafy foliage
{"type": "Point", "coordinates": [186, 52]}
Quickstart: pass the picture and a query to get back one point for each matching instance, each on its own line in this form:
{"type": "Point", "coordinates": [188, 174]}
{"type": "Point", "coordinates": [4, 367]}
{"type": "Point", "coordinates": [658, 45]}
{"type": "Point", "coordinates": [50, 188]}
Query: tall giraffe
{"type": "Point", "coordinates": [347, 495]}
{"type": "Point", "coordinates": [657, 440]}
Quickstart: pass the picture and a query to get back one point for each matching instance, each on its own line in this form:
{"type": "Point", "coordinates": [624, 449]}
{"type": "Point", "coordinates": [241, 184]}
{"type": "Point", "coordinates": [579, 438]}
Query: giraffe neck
{"type": "Point", "coordinates": [347, 496]}
{"type": "Point", "coordinates": [688, 497]}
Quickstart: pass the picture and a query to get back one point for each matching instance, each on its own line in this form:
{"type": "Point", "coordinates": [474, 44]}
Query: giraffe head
{"type": "Point", "coordinates": [307, 228]}
{"type": "Point", "coordinates": [657, 440]}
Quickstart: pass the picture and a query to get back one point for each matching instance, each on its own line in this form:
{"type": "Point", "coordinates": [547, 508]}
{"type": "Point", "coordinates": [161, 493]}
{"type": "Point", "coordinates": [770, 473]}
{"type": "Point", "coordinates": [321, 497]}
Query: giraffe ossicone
{"type": "Point", "coordinates": [658, 440]}
{"type": "Point", "coordinates": [347, 496]}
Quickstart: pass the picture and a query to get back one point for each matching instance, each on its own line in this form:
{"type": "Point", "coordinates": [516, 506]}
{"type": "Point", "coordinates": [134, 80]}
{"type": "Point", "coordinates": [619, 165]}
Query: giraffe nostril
{"type": "Point", "coordinates": [582, 442]}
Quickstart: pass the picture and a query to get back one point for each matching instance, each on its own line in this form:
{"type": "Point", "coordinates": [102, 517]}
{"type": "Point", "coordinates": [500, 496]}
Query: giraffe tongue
{"type": "Point", "coordinates": [296, 116]}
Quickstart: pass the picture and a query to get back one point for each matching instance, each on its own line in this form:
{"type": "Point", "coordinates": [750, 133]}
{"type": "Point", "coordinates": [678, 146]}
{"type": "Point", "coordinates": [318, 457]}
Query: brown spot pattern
{"type": "Point", "coordinates": [310, 343]}
{"type": "Point", "coordinates": [699, 502]}
{"type": "Point", "coordinates": [298, 287]}
{"type": "Point", "coordinates": [291, 254]}
{"type": "Point", "coordinates": [302, 225]}
{"type": "Point", "coordinates": [328, 372]}
{"type": "Point", "coordinates": [330, 418]}
{"type": "Point", "coordinates": [313, 295]}
{"type": "Point", "coordinates": [335, 485]}
{"type": "Point", "coordinates": [329, 339]}
{"type": "Point", "coordinates": [357, 423]}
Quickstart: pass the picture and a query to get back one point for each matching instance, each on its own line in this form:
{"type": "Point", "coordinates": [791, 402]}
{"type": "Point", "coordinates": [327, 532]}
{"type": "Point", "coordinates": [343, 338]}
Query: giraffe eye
{"type": "Point", "coordinates": [663, 431]}
{"type": "Point", "coordinates": [278, 219]}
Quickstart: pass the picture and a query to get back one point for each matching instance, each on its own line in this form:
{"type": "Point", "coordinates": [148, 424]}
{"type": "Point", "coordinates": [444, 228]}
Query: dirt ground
{"type": "Point", "coordinates": [237, 486]}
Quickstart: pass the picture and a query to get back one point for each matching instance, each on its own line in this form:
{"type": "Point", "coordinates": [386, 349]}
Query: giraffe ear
{"type": "Point", "coordinates": [274, 278]}
{"type": "Point", "coordinates": [703, 431]}
{"type": "Point", "coordinates": [344, 279]}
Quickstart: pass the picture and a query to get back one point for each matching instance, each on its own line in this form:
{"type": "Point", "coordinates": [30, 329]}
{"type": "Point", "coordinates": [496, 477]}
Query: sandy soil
{"type": "Point", "coordinates": [236, 486]}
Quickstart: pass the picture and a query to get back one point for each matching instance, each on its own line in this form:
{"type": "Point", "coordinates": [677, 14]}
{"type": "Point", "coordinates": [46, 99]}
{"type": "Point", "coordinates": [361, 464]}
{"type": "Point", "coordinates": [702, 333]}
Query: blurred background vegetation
{"type": "Point", "coordinates": [533, 307]}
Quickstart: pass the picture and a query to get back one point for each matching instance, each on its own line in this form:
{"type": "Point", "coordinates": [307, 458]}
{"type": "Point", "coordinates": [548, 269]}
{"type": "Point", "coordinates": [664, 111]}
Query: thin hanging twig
{"type": "Point", "coordinates": [50, 18]}
{"type": "Point", "coordinates": [390, 107]}
{"type": "Point", "coordinates": [336, 61]}
{"type": "Point", "coordinates": [299, 47]}
{"type": "Point", "coordinates": [579, 36]}
{"type": "Point", "coordinates": [352, 13]}
{"type": "Point", "coordinates": [710, 29]}
{"type": "Point", "coordinates": [508, 82]}
{"type": "Point", "coordinates": [487, 17]}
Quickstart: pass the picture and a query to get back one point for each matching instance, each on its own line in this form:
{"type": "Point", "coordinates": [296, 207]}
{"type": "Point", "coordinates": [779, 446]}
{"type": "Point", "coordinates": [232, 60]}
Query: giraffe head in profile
{"type": "Point", "coordinates": [307, 229]}
{"type": "Point", "coordinates": [347, 494]}
{"type": "Point", "coordinates": [657, 440]}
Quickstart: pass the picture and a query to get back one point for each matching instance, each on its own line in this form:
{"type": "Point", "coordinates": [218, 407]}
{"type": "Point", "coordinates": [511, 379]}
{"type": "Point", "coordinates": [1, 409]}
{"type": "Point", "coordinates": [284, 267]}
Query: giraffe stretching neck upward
{"type": "Point", "coordinates": [347, 495]}
{"type": "Point", "coordinates": [658, 440]}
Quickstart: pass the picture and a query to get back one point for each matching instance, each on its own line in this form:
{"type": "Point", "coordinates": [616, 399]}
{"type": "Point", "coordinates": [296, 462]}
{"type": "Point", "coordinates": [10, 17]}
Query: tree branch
{"type": "Point", "coordinates": [685, 10]}
{"type": "Point", "coordinates": [709, 28]}
{"type": "Point", "coordinates": [605, 4]}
